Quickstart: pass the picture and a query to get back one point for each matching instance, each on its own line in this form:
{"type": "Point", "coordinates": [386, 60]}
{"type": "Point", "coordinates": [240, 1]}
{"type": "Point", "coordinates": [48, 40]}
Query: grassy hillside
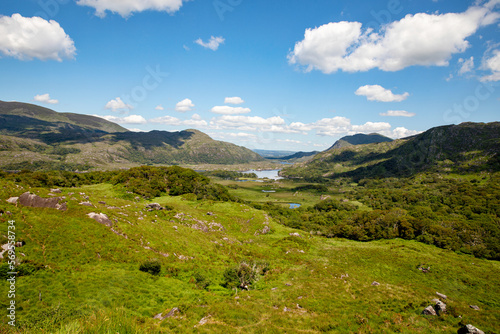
{"type": "Point", "coordinates": [47, 140]}
{"type": "Point", "coordinates": [468, 147]}
{"type": "Point", "coordinates": [79, 276]}
{"type": "Point", "coordinates": [27, 113]}
{"type": "Point", "coordinates": [359, 139]}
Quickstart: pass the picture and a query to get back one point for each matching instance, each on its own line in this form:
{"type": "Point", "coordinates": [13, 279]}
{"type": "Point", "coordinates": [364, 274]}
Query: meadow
{"type": "Point", "coordinates": [80, 276]}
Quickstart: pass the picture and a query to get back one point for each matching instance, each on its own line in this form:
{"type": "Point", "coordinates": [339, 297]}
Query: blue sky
{"type": "Point", "coordinates": [291, 75]}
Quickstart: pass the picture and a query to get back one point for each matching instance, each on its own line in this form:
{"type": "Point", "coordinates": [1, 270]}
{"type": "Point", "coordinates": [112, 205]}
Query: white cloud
{"type": "Point", "coordinates": [492, 64]}
{"type": "Point", "coordinates": [126, 7]}
{"type": "Point", "coordinates": [421, 39]}
{"type": "Point", "coordinates": [251, 123]}
{"type": "Point", "coordinates": [212, 44]}
{"type": "Point", "coordinates": [240, 136]}
{"type": "Point", "coordinates": [159, 107]}
{"type": "Point", "coordinates": [398, 113]}
{"type": "Point", "coordinates": [467, 65]}
{"type": "Point", "coordinates": [136, 130]}
{"type": "Point", "coordinates": [380, 94]}
{"type": "Point", "coordinates": [184, 105]}
{"type": "Point", "coordinates": [132, 119]}
{"type": "Point", "coordinates": [226, 110]}
{"type": "Point", "coordinates": [234, 100]}
{"type": "Point", "coordinates": [28, 38]}
{"type": "Point", "coordinates": [195, 121]}
{"type": "Point", "coordinates": [118, 105]}
{"type": "Point", "coordinates": [400, 132]}
{"type": "Point", "coordinates": [45, 98]}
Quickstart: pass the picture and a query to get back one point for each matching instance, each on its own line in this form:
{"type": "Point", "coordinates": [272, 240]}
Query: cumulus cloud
{"type": "Point", "coordinates": [240, 136]}
{"type": "Point", "coordinates": [166, 120]}
{"type": "Point", "coordinates": [400, 132]}
{"type": "Point", "coordinates": [118, 105]}
{"type": "Point", "coordinates": [492, 64]}
{"type": "Point", "coordinates": [45, 98]}
{"type": "Point", "coordinates": [398, 113]}
{"type": "Point", "coordinates": [132, 119]}
{"type": "Point", "coordinates": [416, 40]}
{"type": "Point", "coordinates": [234, 100]}
{"type": "Point", "coordinates": [184, 105]}
{"type": "Point", "coordinates": [212, 44]}
{"type": "Point", "coordinates": [126, 7]}
{"type": "Point", "coordinates": [195, 121]}
{"type": "Point", "coordinates": [251, 123]}
{"type": "Point", "coordinates": [27, 38]}
{"type": "Point", "coordinates": [467, 65]}
{"type": "Point", "coordinates": [380, 94]}
{"type": "Point", "coordinates": [226, 110]}
{"type": "Point", "coordinates": [159, 107]}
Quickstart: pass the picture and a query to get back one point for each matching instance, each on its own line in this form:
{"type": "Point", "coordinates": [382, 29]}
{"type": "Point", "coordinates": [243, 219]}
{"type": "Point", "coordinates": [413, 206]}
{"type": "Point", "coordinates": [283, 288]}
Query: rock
{"type": "Point", "coordinates": [440, 307]}
{"type": "Point", "coordinates": [56, 191]}
{"type": "Point", "coordinates": [286, 309]}
{"type": "Point", "coordinates": [102, 202]}
{"type": "Point", "coordinates": [469, 329]}
{"type": "Point", "coordinates": [154, 206]}
{"type": "Point", "coordinates": [375, 283]}
{"type": "Point", "coordinates": [265, 230]}
{"type": "Point", "coordinates": [440, 295]}
{"type": "Point", "coordinates": [35, 201]}
{"type": "Point", "coordinates": [204, 320]}
{"type": "Point", "coordinates": [86, 204]}
{"type": "Point", "coordinates": [295, 234]}
{"type": "Point", "coordinates": [474, 307]}
{"type": "Point", "coordinates": [170, 314]}
{"type": "Point", "coordinates": [12, 200]}
{"type": "Point", "coordinates": [429, 310]}
{"type": "Point", "coordinates": [101, 218]}
{"type": "Point", "coordinates": [210, 214]}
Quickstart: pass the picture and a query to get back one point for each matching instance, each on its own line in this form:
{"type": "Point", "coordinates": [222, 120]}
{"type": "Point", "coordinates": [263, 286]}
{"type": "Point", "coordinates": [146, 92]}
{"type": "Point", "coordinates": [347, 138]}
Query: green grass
{"type": "Point", "coordinates": [91, 282]}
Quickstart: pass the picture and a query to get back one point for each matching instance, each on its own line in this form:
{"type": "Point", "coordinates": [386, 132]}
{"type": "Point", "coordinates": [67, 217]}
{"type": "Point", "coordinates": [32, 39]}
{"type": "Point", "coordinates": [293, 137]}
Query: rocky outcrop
{"type": "Point", "coordinates": [101, 218]}
{"type": "Point", "coordinates": [469, 329]}
{"type": "Point", "coordinates": [170, 314]}
{"type": "Point", "coordinates": [34, 201]}
{"type": "Point", "coordinates": [154, 206]}
{"type": "Point", "coordinates": [429, 310]}
{"type": "Point", "coordinates": [12, 200]}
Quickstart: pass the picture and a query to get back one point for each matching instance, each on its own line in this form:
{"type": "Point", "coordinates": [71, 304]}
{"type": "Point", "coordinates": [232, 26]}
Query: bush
{"type": "Point", "coordinates": [152, 266]}
{"type": "Point", "coordinates": [244, 275]}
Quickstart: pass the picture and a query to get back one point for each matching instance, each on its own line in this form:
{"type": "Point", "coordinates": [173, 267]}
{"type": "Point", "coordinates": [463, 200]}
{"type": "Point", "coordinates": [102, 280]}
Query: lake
{"type": "Point", "coordinates": [270, 174]}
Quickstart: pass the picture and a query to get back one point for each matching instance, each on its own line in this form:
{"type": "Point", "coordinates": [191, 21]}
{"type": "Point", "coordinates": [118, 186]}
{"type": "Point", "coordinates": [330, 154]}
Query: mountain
{"type": "Point", "coordinates": [18, 116]}
{"type": "Point", "coordinates": [297, 157]}
{"type": "Point", "coordinates": [359, 139]}
{"type": "Point", "coordinates": [270, 154]}
{"type": "Point", "coordinates": [34, 137]}
{"type": "Point", "coordinates": [468, 147]}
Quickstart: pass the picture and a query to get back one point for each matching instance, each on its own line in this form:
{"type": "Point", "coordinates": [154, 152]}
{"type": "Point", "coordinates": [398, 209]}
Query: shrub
{"type": "Point", "coordinates": [244, 275]}
{"type": "Point", "coordinates": [152, 266]}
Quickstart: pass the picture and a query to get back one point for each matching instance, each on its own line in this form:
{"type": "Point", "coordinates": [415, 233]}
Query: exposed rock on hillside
{"type": "Point", "coordinates": [32, 200]}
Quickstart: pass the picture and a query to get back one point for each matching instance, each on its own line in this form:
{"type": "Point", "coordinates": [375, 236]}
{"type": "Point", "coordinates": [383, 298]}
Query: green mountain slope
{"type": "Point", "coordinates": [190, 259]}
{"type": "Point", "coordinates": [455, 148]}
{"type": "Point", "coordinates": [359, 139]}
{"type": "Point", "coordinates": [40, 117]}
{"type": "Point", "coordinates": [33, 137]}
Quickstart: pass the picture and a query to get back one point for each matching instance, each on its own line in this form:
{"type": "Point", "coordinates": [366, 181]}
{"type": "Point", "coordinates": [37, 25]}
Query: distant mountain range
{"type": "Point", "coordinates": [468, 147]}
{"type": "Point", "coordinates": [34, 137]}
